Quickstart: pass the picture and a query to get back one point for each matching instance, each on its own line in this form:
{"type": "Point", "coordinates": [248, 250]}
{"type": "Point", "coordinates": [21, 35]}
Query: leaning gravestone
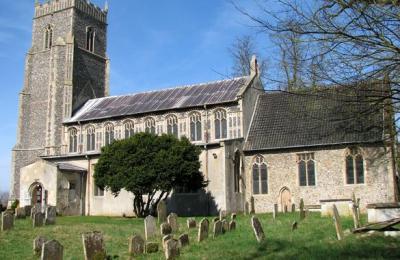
{"type": "Point", "coordinates": [38, 219]}
{"type": "Point", "coordinates": [7, 221]}
{"type": "Point", "coordinates": [93, 245]}
{"type": "Point", "coordinates": [51, 213]}
{"type": "Point", "coordinates": [28, 210]}
{"type": "Point", "coordinates": [162, 212]}
{"type": "Point", "coordinates": [172, 249]}
{"type": "Point", "coordinates": [225, 226]}
{"type": "Point", "coordinates": [184, 239]}
{"type": "Point", "coordinates": [20, 213]}
{"type": "Point", "coordinates": [149, 227]}
{"type": "Point", "coordinates": [38, 244]}
{"type": "Point", "coordinates": [232, 225]}
{"type": "Point", "coordinates": [165, 239]}
{"type": "Point", "coordinates": [165, 229]}
{"type": "Point", "coordinates": [338, 224]}
{"type": "Point", "coordinates": [203, 230]}
{"type": "Point", "coordinates": [173, 221]}
{"type": "Point", "coordinates": [354, 212]}
{"type": "Point", "coordinates": [136, 245]}
{"type": "Point", "coordinates": [191, 223]}
{"type": "Point", "coordinates": [257, 228]}
{"type": "Point", "coordinates": [52, 250]}
{"type": "Point", "coordinates": [217, 230]}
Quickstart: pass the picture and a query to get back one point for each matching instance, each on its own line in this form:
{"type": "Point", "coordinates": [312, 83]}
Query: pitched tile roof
{"type": "Point", "coordinates": [161, 100]}
{"type": "Point", "coordinates": [288, 120]}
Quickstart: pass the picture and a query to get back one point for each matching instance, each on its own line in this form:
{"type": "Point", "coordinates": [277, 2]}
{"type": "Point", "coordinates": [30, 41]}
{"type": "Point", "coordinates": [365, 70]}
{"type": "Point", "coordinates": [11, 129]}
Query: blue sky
{"type": "Point", "coordinates": [152, 44]}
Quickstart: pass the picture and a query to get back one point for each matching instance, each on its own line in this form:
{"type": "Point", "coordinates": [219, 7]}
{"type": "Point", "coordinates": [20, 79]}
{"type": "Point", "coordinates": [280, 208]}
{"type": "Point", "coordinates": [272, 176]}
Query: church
{"type": "Point", "coordinates": [259, 148]}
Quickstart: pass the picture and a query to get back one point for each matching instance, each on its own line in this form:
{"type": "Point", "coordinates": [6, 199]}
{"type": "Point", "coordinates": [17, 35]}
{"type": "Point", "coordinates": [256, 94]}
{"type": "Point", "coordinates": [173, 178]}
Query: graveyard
{"type": "Point", "coordinates": [311, 238]}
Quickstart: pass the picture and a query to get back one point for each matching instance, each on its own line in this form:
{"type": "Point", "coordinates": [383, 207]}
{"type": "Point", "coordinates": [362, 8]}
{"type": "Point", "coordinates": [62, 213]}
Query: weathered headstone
{"type": "Point", "coordinates": [172, 249]}
{"type": "Point", "coordinates": [232, 225]}
{"type": "Point", "coordinates": [285, 209]}
{"type": "Point", "coordinates": [52, 250]}
{"type": "Point", "coordinates": [136, 245]}
{"type": "Point", "coordinates": [38, 219]}
{"type": "Point", "coordinates": [233, 216]}
{"type": "Point", "coordinates": [302, 212]}
{"type": "Point", "coordinates": [51, 213]}
{"type": "Point", "coordinates": [215, 219]}
{"type": "Point", "coordinates": [252, 206]}
{"type": "Point", "coordinates": [38, 244]}
{"type": "Point", "coordinates": [173, 221]}
{"type": "Point", "coordinates": [338, 224]}
{"type": "Point", "coordinates": [222, 215]}
{"type": "Point", "coordinates": [275, 211]}
{"type": "Point", "coordinates": [294, 226]}
{"type": "Point", "coordinates": [35, 209]}
{"type": "Point", "coordinates": [165, 239]}
{"type": "Point", "coordinates": [150, 228]}
{"type": "Point", "coordinates": [162, 211]}
{"type": "Point", "coordinates": [20, 213]}
{"type": "Point", "coordinates": [203, 230]}
{"type": "Point", "coordinates": [225, 226]}
{"type": "Point", "coordinates": [217, 230]}
{"type": "Point", "coordinates": [28, 210]}
{"type": "Point", "coordinates": [93, 245]}
{"type": "Point", "coordinates": [7, 221]}
{"type": "Point", "coordinates": [246, 208]}
{"type": "Point", "coordinates": [257, 228]}
{"type": "Point", "coordinates": [151, 247]}
{"type": "Point", "coordinates": [184, 239]}
{"type": "Point", "coordinates": [354, 212]}
{"type": "Point", "coordinates": [293, 207]}
{"type": "Point", "coordinates": [191, 223]}
{"type": "Point", "coordinates": [165, 229]}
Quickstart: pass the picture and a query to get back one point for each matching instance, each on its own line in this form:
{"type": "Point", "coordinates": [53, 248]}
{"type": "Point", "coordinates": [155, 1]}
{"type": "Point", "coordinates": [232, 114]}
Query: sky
{"type": "Point", "coordinates": [151, 45]}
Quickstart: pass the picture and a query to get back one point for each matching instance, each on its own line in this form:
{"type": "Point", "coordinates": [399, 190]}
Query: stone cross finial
{"type": "Point", "coordinates": [106, 6]}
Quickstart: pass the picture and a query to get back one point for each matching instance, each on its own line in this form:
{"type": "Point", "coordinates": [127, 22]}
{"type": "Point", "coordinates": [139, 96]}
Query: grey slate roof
{"type": "Point", "coordinates": [161, 100]}
{"type": "Point", "coordinates": [286, 120]}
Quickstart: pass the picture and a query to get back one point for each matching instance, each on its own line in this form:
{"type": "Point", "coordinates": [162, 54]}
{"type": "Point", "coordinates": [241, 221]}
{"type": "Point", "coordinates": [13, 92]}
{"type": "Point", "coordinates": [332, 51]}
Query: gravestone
{"type": "Point", "coordinates": [246, 208]}
{"type": "Point", "coordinates": [217, 230]}
{"type": "Point", "coordinates": [232, 225]}
{"type": "Point", "coordinates": [225, 226]}
{"type": "Point", "coordinates": [203, 230]}
{"type": "Point", "coordinates": [151, 247]}
{"type": "Point", "coordinates": [215, 219]}
{"type": "Point", "coordinates": [252, 206]}
{"type": "Point", "coordinates": [222, 215]}
{"type": "Point", "coordinates": [233, 216]}
{"type": "Point", "coordinates": [275, 211]}
{"type": "Point", "coordinates": [38, 244]}
{"type": "Point", "coordinates": [191, 223]}
{"type": "Point", "coordinates": [338, 224]}
{"type": "Point", "coordinates": [51, 213]}
{"type": "Point", "coordinates": [7, 221]}
{"type": "Point", "coordinates": [93, 245]}
{"type": "Point", "coordinates": [302, 212]}
{"type": "Point", "coordinates": [136, 245]}
{"type": "Point", "coordinates": [28, 210]}
{"type": "Point", "coordinates": [35, 209]}
{"type": "Point", "coordinates": [294, 226]}
{"type": "Point", "coordinates": [20, 213]}
{"type": "Point", "coordinates": [257, 228]}
{"type": "Point", "coordinates": [355, 215]}
{"type": "Point", "coordinates": [165, 229]}
{"type": "Point", "coordinates": [149, 227]}
{"type": "Point", "coordinates": [173, 221]}
{"type": "Point", "coordinates": [162, 211]}
{"type": "Point", "coordinates": [184, 239]}
{"type": "Point", "coordinates": [293, 207]}
{"type": "Point", "coordinates": [165, 239]}
{"type": "Point", "coordinates": [52, 250]}
{"type": "Point", "coordinates": [172, 249]}
{"type": "Point", "coordinates": [38, 219]}
{"type": "Point", "coordinates": [285, 209]}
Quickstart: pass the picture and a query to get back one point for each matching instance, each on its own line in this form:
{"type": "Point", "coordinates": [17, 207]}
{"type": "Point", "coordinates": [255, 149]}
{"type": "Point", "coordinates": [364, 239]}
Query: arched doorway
{"type": "Point", "coordinates": [36, 194]}
{"type": "Point", "coordinates": [285, 198]}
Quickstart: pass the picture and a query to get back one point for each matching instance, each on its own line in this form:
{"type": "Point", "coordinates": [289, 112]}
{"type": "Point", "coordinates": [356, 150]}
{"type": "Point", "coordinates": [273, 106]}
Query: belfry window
{"type": "Point", "coordinates": [306, 166]}
{"type": "Point", "coordinates": [48, 37]}
{"type": "Point", "coordinates": [109, 134]}
{"type": "Point", "coordinates": [172, 125]}
{"type": "Point", "coordinates": [90, 37]}
{"type": "Point", "coordinates": [90, 138]}
{"type": "Point", "coordinates": [260, 176]}
{"type": "Point", "coordinates": [195, 127]}
{"type": "Point", "coordinates": [129, 129]}
{"type": "Point", "coordinates": [150, 125]}
{"type": "Point", "coordinates": [354, 166]}
{"type": "Point", "coordinates": [220, 124]}
{"type": "Point", "coordinates": [73, 140]}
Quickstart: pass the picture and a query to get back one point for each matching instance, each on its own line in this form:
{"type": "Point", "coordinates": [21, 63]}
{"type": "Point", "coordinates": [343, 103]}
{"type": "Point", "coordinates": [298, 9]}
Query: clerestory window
{"type": "Point", "coordinates": [220, 124]}
{"type": "Point", "coordinates": [195, 127]}
{"type": "Point", "coordinates": [172, 125]}
{"type": "Point", "coordinates": [129, 129]}
{"type": "Point", "coordinates": [90, 138]}
{"type": "Point", "coordinates": [109, 134]}
{"type": "Point", "coordinates": [73, 140]}
{"type": "Point", "coordinates": [150, 125]}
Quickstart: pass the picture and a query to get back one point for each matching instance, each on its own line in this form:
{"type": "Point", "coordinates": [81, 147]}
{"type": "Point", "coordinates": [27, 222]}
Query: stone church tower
{"type": "Point", "coordinates": [66, 65]}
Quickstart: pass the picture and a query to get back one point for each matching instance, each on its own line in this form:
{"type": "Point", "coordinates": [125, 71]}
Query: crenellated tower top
{"type": "Point", "coordinates": [52, 6]}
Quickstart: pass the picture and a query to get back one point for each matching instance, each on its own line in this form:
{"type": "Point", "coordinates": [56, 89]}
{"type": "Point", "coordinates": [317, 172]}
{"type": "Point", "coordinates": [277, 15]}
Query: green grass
{"type": "Point", "coordinates": [315, 238]}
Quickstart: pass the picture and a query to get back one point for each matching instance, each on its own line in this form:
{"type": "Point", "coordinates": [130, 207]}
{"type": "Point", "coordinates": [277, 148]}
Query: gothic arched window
{"type": "Point", "coordinates": [73, 140]}
{"type": "Point", "coordinates": [220, 124]}
{"type": "Point", "coordinates": [354, 166]}
{"type": "Point", "coordinates": [48, 37]}
{"type": "Point", "coordinates": [172, 125]}
{"type": "Point", "coordinates": [90, 138]}
{"type": "Point", "coordinates": [306, 166]}
{"type": "Point", "coordinates": [90, 36]}
{"type": "Point", "coordinates": [195, 127]}
{"type": "Point", "coordinates": [109, 134]}
{"type": "Point", "coordinates": [260, 176]}
{"type": "Point", "coordinates": [150, 125]}
{"type": "Point", "coordinates": [129, 129]}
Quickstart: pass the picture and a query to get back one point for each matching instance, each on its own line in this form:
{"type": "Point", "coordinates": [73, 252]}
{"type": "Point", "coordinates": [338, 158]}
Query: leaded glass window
{"type": "Point", "coordinates": [354, 166]}
{"type": "Point", "coordinates": [260, 176]}
{"type": "Point", "coordinates": [306, 165]}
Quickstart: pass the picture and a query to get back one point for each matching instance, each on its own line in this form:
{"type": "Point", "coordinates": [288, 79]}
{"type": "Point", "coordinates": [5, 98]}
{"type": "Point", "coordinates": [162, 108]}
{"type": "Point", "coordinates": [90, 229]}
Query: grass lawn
{"type": "Point", "coordinates": [315, 238]}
